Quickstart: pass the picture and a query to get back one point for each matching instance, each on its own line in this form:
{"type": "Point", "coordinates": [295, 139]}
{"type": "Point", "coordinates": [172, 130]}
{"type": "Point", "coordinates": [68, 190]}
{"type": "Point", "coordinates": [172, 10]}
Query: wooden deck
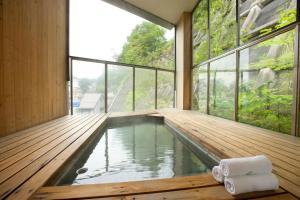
{"type": "Point", "coordinates": [29, 158]}
{"type": "Point", "coordinates": [229, 139]}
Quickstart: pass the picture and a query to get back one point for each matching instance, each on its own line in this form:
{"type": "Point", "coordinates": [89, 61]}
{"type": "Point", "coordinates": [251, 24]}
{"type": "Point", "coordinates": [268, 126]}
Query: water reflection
{"type": "Point", "coordinates": [133, 151]}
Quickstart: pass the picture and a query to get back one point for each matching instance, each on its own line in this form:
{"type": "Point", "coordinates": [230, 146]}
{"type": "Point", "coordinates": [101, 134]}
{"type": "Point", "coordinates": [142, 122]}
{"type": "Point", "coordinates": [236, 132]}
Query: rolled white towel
{"type": "Point", "coordinates": [246, 166]}
{"type": "Point", "coordinates": [217, 174]}
{"type": "Point", "coordinates": [250, 183]}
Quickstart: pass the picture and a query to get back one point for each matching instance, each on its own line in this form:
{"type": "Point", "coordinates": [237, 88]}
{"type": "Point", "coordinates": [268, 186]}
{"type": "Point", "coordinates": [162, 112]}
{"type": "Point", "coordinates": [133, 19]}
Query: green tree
{"type": "Point", "coordinates": [146, 45]}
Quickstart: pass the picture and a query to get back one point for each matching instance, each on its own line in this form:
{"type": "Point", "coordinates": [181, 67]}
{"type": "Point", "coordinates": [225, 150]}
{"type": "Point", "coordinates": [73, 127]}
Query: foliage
{"type": "Point", "coordinates": [147, 45]}
{"type": "Point", "coordinates": [223, 26]}
{"type": "Point", "coordinates": [263, 102]}
{"type": "Point", "coordinates": [200, 32]}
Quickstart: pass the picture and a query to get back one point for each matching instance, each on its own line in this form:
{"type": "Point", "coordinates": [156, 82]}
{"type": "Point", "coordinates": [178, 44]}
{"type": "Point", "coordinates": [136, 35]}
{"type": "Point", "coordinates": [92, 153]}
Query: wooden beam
{"type": "Point", "coordinates": [184, 61]}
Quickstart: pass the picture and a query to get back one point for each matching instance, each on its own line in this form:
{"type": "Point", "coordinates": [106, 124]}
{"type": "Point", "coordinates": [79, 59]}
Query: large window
{"type": "Point", "coordinates": [249, 61]}
{"type": "Point", "coordinates": [266, 83]}
{"type": "Point", "coordinates": [199, 89]}
{"type": "Point", "coordinates": [260, 17]}
{"type": "Point", "coordinates": [222, 26]}
{"type": "Point", "coordinates": [222, 87]}
{"type": "Point", "coordinates": [113, 54]}
{"type": "Point", "coordinates": [102, 31]}
{"type": "Point", "coordinates": [200, 32]}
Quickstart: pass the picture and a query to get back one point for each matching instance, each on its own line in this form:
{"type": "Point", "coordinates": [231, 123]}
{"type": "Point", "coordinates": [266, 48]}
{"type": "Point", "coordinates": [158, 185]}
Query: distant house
{"type": "Point", "coordinates": [90, 103]}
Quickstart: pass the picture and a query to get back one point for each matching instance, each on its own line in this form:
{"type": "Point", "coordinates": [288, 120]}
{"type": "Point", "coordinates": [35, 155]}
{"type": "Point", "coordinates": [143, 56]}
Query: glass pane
{"type": "Point", "coordinates": [165, 89]}
{"type": "Point", "coordinates": [119, 88]}
{"type": "Point", "coordinates": [266, 83]}
{"type": "Point", "coordinates": [223, 26]}
{"type": "Point", "coordinates": [103, 31]}
{"type": "Point", "coordinates": [200, 33]}
{"type": "Point", "coordinates": [222, 87]}
{"type": "Point", "coordinates": [88, 87]}
{"type": "Point", "coordinates": [260, 17]}
{"type": "Point", "coordinates": [144, 89]}
{"type": "Point", "coordinates": [199, 99]}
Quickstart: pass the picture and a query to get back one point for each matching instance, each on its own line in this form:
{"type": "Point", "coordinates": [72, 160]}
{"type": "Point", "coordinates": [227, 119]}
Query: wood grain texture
{"type": "Point", "coordinates": [227, 138]}
{"type": "Point", "coordinates": [34, 161]}
{"type": "Point", "coordinates": [184, 61]}
{"type": "Point", "coordinates": [126, 188]}
{"type": "Point", "coordinates": [32, 165]}
{"type": "Point", "coordinates": [33, 63]}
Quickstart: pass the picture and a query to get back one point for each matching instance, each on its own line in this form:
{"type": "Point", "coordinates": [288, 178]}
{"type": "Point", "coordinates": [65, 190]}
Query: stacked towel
{"type": "Point", "coordinates": [250, 183]}
{"type": "Point", "coordinates": [249, 174]}
{"type": "Point", "coordinates": [246, 166]}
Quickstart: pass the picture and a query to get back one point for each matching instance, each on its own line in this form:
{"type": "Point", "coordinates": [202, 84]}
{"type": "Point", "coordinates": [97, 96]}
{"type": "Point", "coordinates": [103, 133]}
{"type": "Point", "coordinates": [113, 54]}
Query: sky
{"type": "Point", "coordinates": [99, 30]}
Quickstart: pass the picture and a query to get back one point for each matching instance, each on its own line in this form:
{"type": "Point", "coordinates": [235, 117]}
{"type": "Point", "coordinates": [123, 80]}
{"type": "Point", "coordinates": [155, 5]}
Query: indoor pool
{"type": "Point", "coordinates": [134, 149]}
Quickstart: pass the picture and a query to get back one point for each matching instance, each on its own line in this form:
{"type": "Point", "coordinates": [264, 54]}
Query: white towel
{"type": "Point", "coordinates": [246, 166]}
{"type": "Point", "coordinates": [250, 183]}
{"type": "Point", "coordinates": [217, 174]}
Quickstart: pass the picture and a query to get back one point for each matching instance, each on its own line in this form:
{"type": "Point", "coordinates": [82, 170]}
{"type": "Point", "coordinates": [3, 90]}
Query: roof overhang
{"type": "Point", "coordinates": [163, 12]}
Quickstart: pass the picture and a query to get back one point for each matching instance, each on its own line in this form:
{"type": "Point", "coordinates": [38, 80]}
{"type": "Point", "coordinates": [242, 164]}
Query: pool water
{"type": "Point", "coordinates": [132, 150]}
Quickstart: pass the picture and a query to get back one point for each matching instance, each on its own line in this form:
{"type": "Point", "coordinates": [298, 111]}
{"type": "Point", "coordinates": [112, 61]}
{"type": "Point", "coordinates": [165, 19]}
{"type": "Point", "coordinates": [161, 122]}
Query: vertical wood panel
{"type": "Point", "coordinates": [184, 61]}
{"type": "Point", "coordinates": [33, 62]}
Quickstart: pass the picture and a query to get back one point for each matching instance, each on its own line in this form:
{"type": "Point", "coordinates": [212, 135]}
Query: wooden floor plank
{"type": "Point", "coordinates": [20, 175]}
{"type": "Point", "coordinates": [33, 135]}
{"type": "Point", "coordinates": [222, 135]}
{"type": "Point", "coordinates": [253, 148]}
{"type": "Point", "coordinates": [126, 188]}
{"type": "Point", "coordinates": [34, 141]}
{"type": "Point", "coordinates": [42, 152]}
{"type": "Point", "coordinates": [43, 174]}
{"type": "Point", "coordinates": [23, 151]}
{"type": "Point", "coordinates": [285, 196]}
{"type": "Point", "coordinates": [249, 133]}
{"type": "Point", "coordinates": [27, 132]}
{"type": "Point", "coordinates": [290, 181]}
{"type": "Point", "coordinates": [285, 166]}
{"type": "Point", "coordinates": [202, 193]}
{"type": "Point", "coordinates": [29, 165]}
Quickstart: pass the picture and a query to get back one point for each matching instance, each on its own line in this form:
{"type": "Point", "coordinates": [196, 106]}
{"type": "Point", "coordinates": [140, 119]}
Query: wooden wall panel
{"type": "Point", "coordinates": [184, 61]}
{"type": "Point", "coordinates": [33, 62]}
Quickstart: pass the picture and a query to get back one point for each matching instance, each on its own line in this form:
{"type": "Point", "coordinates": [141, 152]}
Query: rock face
{"type": "Point", "coordinates": [257, 15]}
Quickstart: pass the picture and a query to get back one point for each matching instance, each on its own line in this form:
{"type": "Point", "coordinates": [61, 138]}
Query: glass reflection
{"type": "Point", "coordinates": [133, 151]}
{"type": "Point", "coordinates": [222, 87]}
{"type": "Point", "coordinates": [261, 17]}
{"type": "Point", "coordinates": [266, 83]}
{"type": "Point", "coordinates": [199, 98]}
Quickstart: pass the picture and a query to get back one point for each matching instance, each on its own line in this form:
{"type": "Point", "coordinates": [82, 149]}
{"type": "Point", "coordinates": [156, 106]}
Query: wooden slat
{"type": "Point", "coordinates": [42, 153]}
{"type": "Point", "coordinates": [224, 138]}
{"type": "Point", "coordinates": [24, 169]}
{"type": "Point", "coordinates": [235, 139]}
{"type": "Point", "coordinates": [253, 148]}
{"type": "Point", "coordinates": [288, 181]}
{"type": "Point", "coordinates": [286, 196]}
{"type": "Point", "coordinates": [126, 188]}
{"type": "Point", "coordinates": [203, 193]}
{"type": "Point", "coordinates": [12, 157]}
{"type": "Point", "coordinates": [58, 159]}
{"type": "Point", "coordinates": [25, 142]}
{"type": "Point", "coordinates": [27, 132]}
